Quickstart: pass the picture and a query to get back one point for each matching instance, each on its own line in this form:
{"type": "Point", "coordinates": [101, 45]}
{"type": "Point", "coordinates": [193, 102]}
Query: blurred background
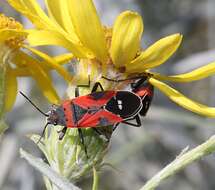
{"type": "Point", "coordinates": [137, 153]}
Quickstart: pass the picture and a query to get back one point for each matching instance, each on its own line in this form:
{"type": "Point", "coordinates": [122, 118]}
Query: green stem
{"type": "Point", "coordinates": [95, 179]}
{"type": "Point", "coordinates": [2, 88]}
{"type": "Point", "coordinates": [181, 162]}
{"type": "Point", "coordinates": [3, 126]}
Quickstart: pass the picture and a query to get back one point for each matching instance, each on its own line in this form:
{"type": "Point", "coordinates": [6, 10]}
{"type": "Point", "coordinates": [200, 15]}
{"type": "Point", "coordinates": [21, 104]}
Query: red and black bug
{"type": "Point", "coordinates": [101, 108]}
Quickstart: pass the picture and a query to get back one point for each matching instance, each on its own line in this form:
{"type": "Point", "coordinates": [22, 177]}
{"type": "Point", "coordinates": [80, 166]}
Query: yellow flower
{"type": "Point", "coordinates": [76, 26]}
{"type": "Point", "coordinates": [17, 62]}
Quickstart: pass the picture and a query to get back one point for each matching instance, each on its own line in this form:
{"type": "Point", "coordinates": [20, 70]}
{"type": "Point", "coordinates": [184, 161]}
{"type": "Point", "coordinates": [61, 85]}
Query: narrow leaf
{"type": "Point", "coordinates": [44, 168]}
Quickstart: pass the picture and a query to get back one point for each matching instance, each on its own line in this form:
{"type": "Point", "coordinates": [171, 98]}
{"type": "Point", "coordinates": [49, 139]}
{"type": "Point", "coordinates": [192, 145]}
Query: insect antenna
{"type": "Point", "coordinates": [33, 104]}
{"type": "Point", "coordinates": [43, 133]}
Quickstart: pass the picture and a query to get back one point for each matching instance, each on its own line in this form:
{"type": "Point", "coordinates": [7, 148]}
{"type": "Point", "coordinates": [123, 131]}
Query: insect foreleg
{"type": "Point", "coordinates": [81, 136]}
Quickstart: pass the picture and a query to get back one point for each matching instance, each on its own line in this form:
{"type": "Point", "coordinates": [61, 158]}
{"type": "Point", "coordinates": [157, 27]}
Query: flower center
{"type": "Point", "coordinates": [11, 24]}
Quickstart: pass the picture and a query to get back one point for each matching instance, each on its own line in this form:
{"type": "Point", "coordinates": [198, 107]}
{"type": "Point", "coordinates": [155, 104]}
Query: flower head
{"type": "Point", "coordinates": [12, 36]}
{"type": "Point", "coordinates": [17, 61]}
{"type": "Point", "coordinates": [76, 26]}
{"type": "Point", "coordinates": [67, 157]}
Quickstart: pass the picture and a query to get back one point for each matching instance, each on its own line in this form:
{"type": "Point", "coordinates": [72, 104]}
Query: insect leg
{"type": "Point", "coordinates": [137, 124]}
{"type": "Point", "coordinates": [97, 131]}
{"type": "Point", "coordinates": [137, 84]}
{"type": "Point", "coordinates": [76, 91]}
{"type": "Point", "coordinates": [115, 126]}
{"type": "Point", "coordinates": [62, 133]}
{"type": "Point", "coordinates": [121, 80]}
{"type": "Point", "coordinates": [85, 85]}
{"type": "Point", "coordinates": [81, 136]}
{"type": "Point", "coordinates": [82, 85]}
{"type": "Point", "coordinates": [43, 133]}
{"type": "Point", "coordinates": [95, 87]}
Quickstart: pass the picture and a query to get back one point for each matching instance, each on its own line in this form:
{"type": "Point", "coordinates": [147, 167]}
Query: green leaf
{"type": "Point", "coordinates": [44, 168]}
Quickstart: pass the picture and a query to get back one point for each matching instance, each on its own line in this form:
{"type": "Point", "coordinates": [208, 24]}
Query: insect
{"type": "Point", "coordinates": [101, 108]}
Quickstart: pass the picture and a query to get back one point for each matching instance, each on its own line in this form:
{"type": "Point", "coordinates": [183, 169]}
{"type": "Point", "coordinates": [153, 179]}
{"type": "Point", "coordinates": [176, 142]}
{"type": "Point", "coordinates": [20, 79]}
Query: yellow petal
{"type": "Point", "coordinates": [10, 89]}
{"type": "Point", "coordinates": [59, 59]}
{"type": "Point", "coordinates": [32, 10]}
{"type": "Point", "coordinates": [46, 37]}
{"type": "Point", "coordinates": [21, 69]}
{"type": "Point", "coordinates": [81, 76]}
{"type": "Point", "coordinates": [127, 32]}
{"type": "Point", "coordinates": [50, 62]}
{"type": "Point", "coordinates": [41, 76]}
{"type": "Point", "coordinates": [88, 27]}
{"type": "Point", "coordinates": [21, 72]}
{"type": "Point", "coordinates": [54, 33]}
{"type": "Point", "coordinates": [197, 74]}
{"type": "Point", "coordinates": [64, 58]}
{"type": "Point", "coordinates": [156, 54]}
{"type": "Point", "coordinates": [54, 10]}
{"type": "Point", "coordinates": [59, 11]}
{"type": "Point", "coordinates": [94, 71]}
{"type": "Point", "coordinates": [183, 101]}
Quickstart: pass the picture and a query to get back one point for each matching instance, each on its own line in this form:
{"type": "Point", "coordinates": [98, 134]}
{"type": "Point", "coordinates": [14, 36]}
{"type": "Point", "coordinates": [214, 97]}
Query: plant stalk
{"type": "Point", "coordinates": [183, 160]}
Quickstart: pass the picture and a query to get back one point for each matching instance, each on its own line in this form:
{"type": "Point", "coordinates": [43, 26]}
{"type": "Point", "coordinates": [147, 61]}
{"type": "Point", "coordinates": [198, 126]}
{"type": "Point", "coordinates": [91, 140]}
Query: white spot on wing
{"type": "Point", "coordinates": [119, 101]}
{"type": "Point", "coordinates": [119, 104]}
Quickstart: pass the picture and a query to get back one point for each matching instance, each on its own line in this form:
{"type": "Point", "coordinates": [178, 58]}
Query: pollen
{"type": "Point", "coordinates": [12, 24]}
{"type": "Point", "coordinates": [15, 42]}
